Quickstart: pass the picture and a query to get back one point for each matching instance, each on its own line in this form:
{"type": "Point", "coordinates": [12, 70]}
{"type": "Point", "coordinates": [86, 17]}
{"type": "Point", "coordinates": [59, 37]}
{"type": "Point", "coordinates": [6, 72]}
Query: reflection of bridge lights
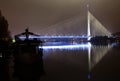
{"type": "Point", "coordinates": [114, 44]}
{"type": "Point", "coordinates": [89, 76]}
{"type": "Point", "coordinates": [67, 46]}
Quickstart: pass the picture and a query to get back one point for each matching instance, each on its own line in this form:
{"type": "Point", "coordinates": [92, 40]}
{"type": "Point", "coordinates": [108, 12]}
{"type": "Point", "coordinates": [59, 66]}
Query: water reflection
{"type": "Point", "coordinates": [72, 61]}
{"type": "Point", "coordinates": [97, 53]}
{"type": "Point", "coordinates": [64, 45]}
{"type": "Point", "coordinates": [68, 62]}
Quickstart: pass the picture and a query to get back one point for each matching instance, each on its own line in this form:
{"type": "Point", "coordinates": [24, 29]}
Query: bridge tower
{"type": "Point", "coordinates": [88, 23]}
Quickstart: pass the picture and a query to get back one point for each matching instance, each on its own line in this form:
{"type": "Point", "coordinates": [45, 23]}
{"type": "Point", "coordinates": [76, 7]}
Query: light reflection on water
{"type": "Point", "coordinates": [60, 45]}
{"type": "Point", "coordinates": [61, 59]}
{"type": "Point", "coordinates": [65, 62]}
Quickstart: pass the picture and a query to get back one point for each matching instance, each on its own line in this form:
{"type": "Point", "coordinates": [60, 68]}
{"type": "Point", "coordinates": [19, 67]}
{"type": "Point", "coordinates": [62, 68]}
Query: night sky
{"type": "Point", "coordinates": [65, 16]}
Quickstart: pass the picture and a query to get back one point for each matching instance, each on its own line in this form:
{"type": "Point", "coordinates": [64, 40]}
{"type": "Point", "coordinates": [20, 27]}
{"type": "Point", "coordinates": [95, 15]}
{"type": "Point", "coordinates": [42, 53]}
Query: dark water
{"type": "Point", "coordinates": [65, 62]}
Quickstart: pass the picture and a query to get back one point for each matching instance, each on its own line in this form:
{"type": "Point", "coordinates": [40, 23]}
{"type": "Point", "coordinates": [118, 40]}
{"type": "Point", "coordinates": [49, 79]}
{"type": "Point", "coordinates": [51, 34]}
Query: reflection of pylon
{"type": "Point", "coordinates": [89, 61]}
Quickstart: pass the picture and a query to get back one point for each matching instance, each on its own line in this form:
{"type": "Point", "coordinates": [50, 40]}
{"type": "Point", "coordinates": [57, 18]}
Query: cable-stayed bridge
{"type": "Point", "coordinates": [94, 28]}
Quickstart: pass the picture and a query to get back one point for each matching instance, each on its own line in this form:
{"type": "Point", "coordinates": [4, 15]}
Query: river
{"type": "Point", "coordinates": [68, 62]}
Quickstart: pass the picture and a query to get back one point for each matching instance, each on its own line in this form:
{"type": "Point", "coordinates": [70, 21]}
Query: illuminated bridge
{"type": "Point", "coordinates": [94, 28]}
{"type": "Point", "coordinates": [58, 38]}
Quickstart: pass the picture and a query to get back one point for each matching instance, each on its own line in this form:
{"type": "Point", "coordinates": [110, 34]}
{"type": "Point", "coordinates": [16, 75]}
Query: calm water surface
{"type": "Point", "coordinates": [68, 62]}
{"type": "Point", "coordinates": [81, 62]}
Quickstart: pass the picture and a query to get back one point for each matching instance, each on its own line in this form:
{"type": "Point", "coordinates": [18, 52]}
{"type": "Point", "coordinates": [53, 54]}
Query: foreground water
{"type": "Point", "coordinates": [68, 62]}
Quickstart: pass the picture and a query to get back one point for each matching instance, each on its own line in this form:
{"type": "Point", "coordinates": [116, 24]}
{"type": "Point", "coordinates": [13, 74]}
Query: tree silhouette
{"type": "Point", "coordinates": [4, 33]}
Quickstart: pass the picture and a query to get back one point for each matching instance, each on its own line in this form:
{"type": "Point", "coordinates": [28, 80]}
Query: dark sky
{"type": "Point", "coordinates": [43, 15]}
